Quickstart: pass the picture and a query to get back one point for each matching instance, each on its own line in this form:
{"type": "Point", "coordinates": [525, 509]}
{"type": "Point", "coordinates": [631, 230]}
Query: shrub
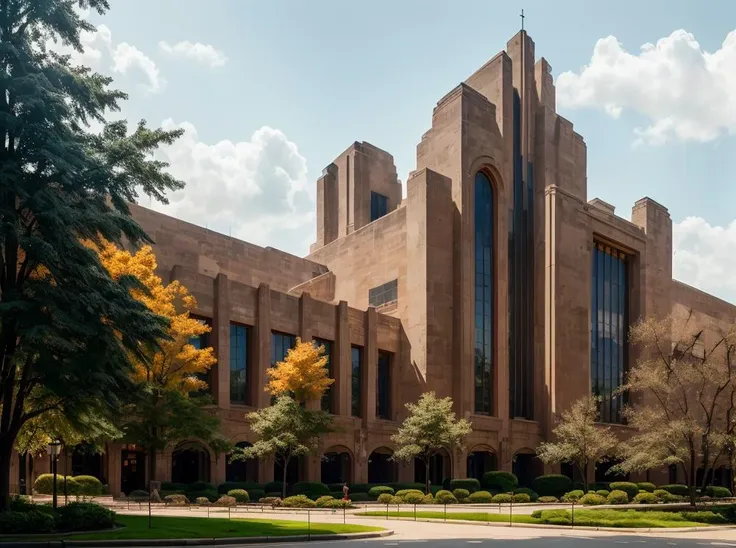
{"type": "Point", "coordinates": [313, 489]}
{"type": "Point", "coordinates": [44, 484]}
{"type": "Point", "coordinates": [385, 498]}
{"type": "Point", "coordinates": [88, 486]}
{"type": "Point", "coordinates": [256, 494]}
{"type": "Point", "coordinates": [176, 500]}
{"type": "Point", "coordinates": [299, 501]}
{"type": "Point", "coordinates": [521, 498]}
{"type": "Point", "coordinates": [676, 489]}
{"type": "Point", "coordinates": [603, 492]}
{"type": "Point", "coordinates": [339, 494]}
{"type": "Point", "coordinates": [646, 486]}
{"type": "Point", "coordinates": [210, 494]}
{"type": "Point", "coordinates": [599, 485]}
{"type": "Point", "coordinates": [240, 495]}
{"type": "Point", "coordinates": [138, 494]}
{"type": "Point", "coordinates": [617, 497]}
{"type": "Point", "coordinates": [547, 499]}
{"type": "Point", "coordinates": [592, 499]}
{"type": "Point", "coordinates": [273, 487]}
{"type": "Point", "coordinates": [526, 491]}
{"type": "Point", "coordinates": [359, 497]}
{"type": "Point", "coordinates": [354, 488]}
{"type": "Point", "coordinates": [84, 516]}
{"type": "Point", "coordinates": [380, 490]}
{"type": "Point", "coordinates": [226, 500]}
{"type": "Point", "coordinates": [402, 492]}
{"type": "Point", "coordinates": [553, 517]}
{"type": "Point", "coordinates": [324, 501]}
{"type": "Point", "coordinates": [501, 498]}
{"type": "Point", "coordinates": [228, 486]}
{"type": "Point", "coordinates": [32, 521]}
{"type": "Point", "coordinates": [501, 481]}
{"type": "Point", "coordinates": [428, 499]}
{"type": "Point", "coordinates": [661, 495]}
{"type": "Point", "coordinates": [202, 501]}
{"type": "Point", "coordinates": [627, 487]}
{"type": "Point", "coordinates": [273, 501]}
{"type": "Point", "coordinates": [461, 494]}
{"type": "Point", "coordinates": [445, 497]}
{"type": "Point", "coordinates": [469, 484]}
{"type": "Point", "coordinates": [397, 500]}
{"type": "Point", "coordinates": [339, 504]}
{"type": "Point", "coordinates": [573, 496]}
{"type": "Point", "coordinates": [645, 498]}
{"type": "Point", "coordinates": [480, 497]}
{"type": "Point", "coordinates": [169, 486]}
{"type": "Point", "coordinates": [200, 486]}
{"type": "Point", "coordinates": [552, 485]}
{"type": "Point", "coordinates": [273, 495]}
{"type": "Point", "coordinates": [728, 512]}
{"type": "Point", "coordinates": [413, 497]}
{"type": "Point", "coordinates": [717, 492]}
{"type": "Point", "coordinates": [704, 517]}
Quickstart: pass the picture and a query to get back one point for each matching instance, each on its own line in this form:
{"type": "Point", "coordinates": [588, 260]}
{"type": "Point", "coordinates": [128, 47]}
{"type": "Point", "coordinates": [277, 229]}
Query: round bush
{"type": "Point", "coordinates": [676, 489]}
{"type": "Point", "coordinates": [89, 486]}
{"type": "Point", "coordinates": [176, 500]}
{"type": "Point", "coordinates": [210, 494]}
{"type": "Point", "coordinates": [631, 489]}
{"type": "Point", "coordinates": [385, 498]}
{"type": "Point", "coordinates": [661, 495]}
{"type": "Point", "coordinates": [716, 492]}
{"type": "Point", "coordinates": [228, 486]}
{"type": "Point", "coordinates": [397, 500]}
{"type": "Point", "coordinates": [573, 496]}
{"type": "Point", "coordinates": [547, 499]}
{"type": "Point", "coordinates": [603, 492]}
{"type": "Point", "coordinates": [552, 485]}
{"type": "Point", "coordinates": [428, 499]}
{"type": "Point", "coordinates": [273, 501]}
{"type": "Point", "coordinates": [646, 486]}
{"type": "Point", "coordinates": [324, 501]}
{"type": "Point", "coordinates": [461, 494]}
{"type": "Point", "coordinates": [521, 498]}
{"type": "Point", "coordinates": [413, 497]}
{"type": "Point", "coordinates": [84, 516]}
{"type": "Point", "coordinates": [44, 484]}
{"type": "Point", "coordinates": [202, 501]}
{"type": "Point", "coordinates": [299, 501]}
{"type": "Point", "coordinates": [480, 497]}
{"type": "Point", "coordinates": [500, 481]}
{"type": "Point", "coordinates": [359, 497]}
{"type": "Point", "coordinates": [240, 495]}
{"type": "Point", "coordinates": [138, 494]}
{"type": "Point", "coordinates": [645, 498]}
{"type": "Point", "coordinates": [525, 490]}
{"type": "Point", "coordinates": [445, 497]}
{"type": "Point", "coordinates": [617, 497]}
{"type": "Point", "coordinates": [501, 498]}
{"type": "Point", "coordinates": [403, 492]}
{"type": "Point", "coordinates": [379, 490]}
{"type": "Point", "coordinates": [313, 489]}
{"type": "Point", "coordinates": [469, 484]}
{"type": "Point", "coordinates": [592, 499]}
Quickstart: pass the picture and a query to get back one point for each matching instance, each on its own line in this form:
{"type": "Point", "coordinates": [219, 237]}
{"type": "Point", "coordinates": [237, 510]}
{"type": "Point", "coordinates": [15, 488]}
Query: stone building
{"type": "Point", "coordinates": [495, 281]}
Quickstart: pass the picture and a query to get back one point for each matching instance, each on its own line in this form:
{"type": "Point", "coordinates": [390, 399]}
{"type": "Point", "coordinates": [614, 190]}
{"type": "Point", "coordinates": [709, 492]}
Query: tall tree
{"type": "Point", "coordinates": [579, 440]}
{"type": "Point", "coordinates": [684, 403]}
{"type": "Point", "coordinates": [430, 427]}
{"type": "Point", "coordinates": [302, 374]}
{"type": "Point", "coordinates": [67, 329]}
{"type": "Point", "coordinates": [168, 403]}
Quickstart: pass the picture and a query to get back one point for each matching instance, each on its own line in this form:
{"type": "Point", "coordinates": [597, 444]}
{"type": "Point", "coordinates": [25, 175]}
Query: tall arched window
{"type": "Point", "coordinates": [483, 293]}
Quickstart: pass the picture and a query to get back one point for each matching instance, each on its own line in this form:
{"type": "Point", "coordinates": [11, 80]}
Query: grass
{"type": "Point", "coordinates": [136, 527]}
{"type": "Point", "coordinates": [587, 518]}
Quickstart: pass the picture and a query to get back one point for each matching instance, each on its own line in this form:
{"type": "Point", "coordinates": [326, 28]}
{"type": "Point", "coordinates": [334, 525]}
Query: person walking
{"type": "Point", "coordinates": [345, 491]}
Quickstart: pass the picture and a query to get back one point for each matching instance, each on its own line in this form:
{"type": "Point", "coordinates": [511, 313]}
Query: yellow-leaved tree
{"type": "Point", "coordinates": [169, 405]}
{"type": "Point", "coordinates": [302, 374]}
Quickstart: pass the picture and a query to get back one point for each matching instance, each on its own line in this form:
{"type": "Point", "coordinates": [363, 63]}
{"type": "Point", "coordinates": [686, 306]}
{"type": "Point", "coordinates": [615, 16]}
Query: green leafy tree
{"type": "Point", "coordinates": [430, 427]}
{"type": "Point", "coordinates": [579, 440]}
{"type": "Point", "coordinates": [67, 329]}
{"type": "Point", "coordinates": [286, 430]}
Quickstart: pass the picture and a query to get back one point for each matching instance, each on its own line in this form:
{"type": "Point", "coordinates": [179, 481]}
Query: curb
{"type": "Point", "coordinates": [194, 541]}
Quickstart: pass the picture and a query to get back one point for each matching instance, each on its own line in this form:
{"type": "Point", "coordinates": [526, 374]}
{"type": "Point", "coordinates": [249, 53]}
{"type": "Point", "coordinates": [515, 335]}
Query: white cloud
{"type": "Point", "coordinates": [255, 190]}
{"type": "Point", "coordinates": [705, 256]}
{"type": "Point", "coordinates": [686, 93]}
{"type": "Point", "coordinates": [202, 53]}
{"type": "Point", "coordinates": [125, 57]}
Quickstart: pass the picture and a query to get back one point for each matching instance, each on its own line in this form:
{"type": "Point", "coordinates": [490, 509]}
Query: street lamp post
{"type": "Point", "coordinates": [54, 450]}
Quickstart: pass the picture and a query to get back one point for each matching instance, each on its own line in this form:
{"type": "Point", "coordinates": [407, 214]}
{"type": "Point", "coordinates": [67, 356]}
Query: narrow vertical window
{"type": "Point", "coordinates": [355, 380]}
{"type": "Point", "coordinates": [239, 358]}
{"type": "Point", "coordinates": [383, 386]}
{"type": "Point", "coordinates": [379, 205]}
{"type": "Point", "coordinates": [483, 293]}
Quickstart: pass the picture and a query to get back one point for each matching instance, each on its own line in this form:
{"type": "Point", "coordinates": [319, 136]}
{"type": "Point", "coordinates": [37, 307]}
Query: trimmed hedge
{"type": "Point", "coordinates": [25, 522]}
{"type": "Point", "coordinates": [274, 487]}
{"type": "Point", "coordinates": [617, 497]}
{"type": "Point", "coordinates": [84, 516]}
{"type": "Point", "coordinates": [299, 501]}
{"type": "Point", "coordinates": [313, 489]}
{"type": "Point", "coordinates": [380, 490]}
{"type": "Point", "coordinates": [413, 497]}
{"type": "Point", "coordinates": [403, 492]}
{"type": "Point", "coordinates": [716, 492]}
{"type": "Point", "coordinates": [240, 495]}
{"type": "Point", "coordinates": [428, 499]}
{"type": "Point", "coordinates": [501, 481]}
{"type": "Point", "coordinates": [44, 484]}
{"type": "Point", "coordinates": [88, 486]}
{"type": "Point", "coordinates": [599, 485]}
{"type": "Point", "coordinates": [360, 497]}
{"type": "Point", "coordinates": [573, 496]}
{"type": "Point", "coordinates": [386, 498]}
{"type": "Point", "coordinates": [547, 499]}
{"type": "Point", "coordinates": [521, 498]}
{"type": "Point", "coordinates": [552, 485]}
{"type": "Point", "coordinates": [210, 494]}
{"type": "Point", "coordinates": [526, 491]}
{"type": "Point", "coordinates": [676, 489]}
{"type": "Point", "coordinates": [631, 489]}
{"type": "Point", "coordinates": [354, 488]}
{"type": "Point", "coordinates": [501, 498]}
{"type": "Point", "coordinates": [200, 486]}
{"type": "Point", "coordinates": [645, 498]}
{"type": "Point", "coordinates": [470, 484]}
{"type": "Point", "coordinates": [480, 497]}
{"type": "Point", "coordinates": [592, 499]}
{"type": "Point", "coordinates": [445, 497]}
{"type": "Point", "coordinates": [646, 486]}
{"type": "Point", "coordinates": [228, 486]}
{"type": "Point", "coordinates": [256, 494]}
{"type": "Point", "coordinates": [169, 486]}
{"type": "Point", "coordinates": [603, 492]}
{"type": "Point", "coordinates": [461, 494]}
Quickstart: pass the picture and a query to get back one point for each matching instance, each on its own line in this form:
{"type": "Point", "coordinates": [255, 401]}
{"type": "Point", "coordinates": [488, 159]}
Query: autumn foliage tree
{"type": "Point", "coordinates": [302, 374]}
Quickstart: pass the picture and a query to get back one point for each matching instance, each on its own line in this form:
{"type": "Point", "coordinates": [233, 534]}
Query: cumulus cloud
{"type": "Point", "coordinates": [705, 256]}
{"type": "Point", "coordinates": [255, 190]}
{"type": "Point", "coordinates": [202, 53]}
{"type": "Point", "coordinates": [686, 93]}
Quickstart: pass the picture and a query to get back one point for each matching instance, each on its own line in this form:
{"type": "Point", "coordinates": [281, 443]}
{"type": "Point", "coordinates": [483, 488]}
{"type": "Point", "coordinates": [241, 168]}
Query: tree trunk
{"type": "Point", "coordinates": [426, 478]}
{"type": "Point", "coordinates": [584, 471]}
{"type": "Point", "coordinates": [151, 467]}
{"type": "Point", "coordinates": [6, 453]}
{"type": "Point", "coordinates": [283, 484]}
{"type": "Point", "coordinates": [692, 479]}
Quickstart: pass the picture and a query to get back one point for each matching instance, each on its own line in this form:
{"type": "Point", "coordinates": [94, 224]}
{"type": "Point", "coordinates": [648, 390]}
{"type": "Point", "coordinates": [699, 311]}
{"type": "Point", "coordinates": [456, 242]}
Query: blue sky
{"type": "Point", "coordinates": [318, 75]}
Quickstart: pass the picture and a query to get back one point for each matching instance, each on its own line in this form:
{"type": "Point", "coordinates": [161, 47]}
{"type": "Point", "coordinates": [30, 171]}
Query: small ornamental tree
{"type": "Point", "coordinates": [302, 374]}
{"type": "Point", "coordinates": [580, 441]}
{"type": "Point", "coordinates": [430, 427]}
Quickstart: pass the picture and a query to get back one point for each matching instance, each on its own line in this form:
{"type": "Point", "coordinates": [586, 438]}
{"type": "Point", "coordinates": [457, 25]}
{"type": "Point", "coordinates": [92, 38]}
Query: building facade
{"type": "Point", "coordinates": [495, 281]}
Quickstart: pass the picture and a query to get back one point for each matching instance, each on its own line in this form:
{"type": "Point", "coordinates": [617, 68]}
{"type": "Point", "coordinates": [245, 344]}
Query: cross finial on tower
{"type": "Point", "coordinates": [522, 19]}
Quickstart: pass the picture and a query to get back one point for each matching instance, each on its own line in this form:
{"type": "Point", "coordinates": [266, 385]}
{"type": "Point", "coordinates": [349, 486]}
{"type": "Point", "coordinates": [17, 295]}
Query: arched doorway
{"type": "Point", "coordinates": [190, 462]}
{"type": "Point", "coordinates": [242, 470]}
{"type": "Point", "coordinates": [337, 466]}
{"type": "Point", "coordinates": [480, 461]}
{"type": "Point", "coordinates": [381, 469]}
{"type": "Point", "coordinates": [439, 468]}
{"type": "Point", "coordinates": [526, 467]}
{"type": "Point", "coordinates": [603, 474]}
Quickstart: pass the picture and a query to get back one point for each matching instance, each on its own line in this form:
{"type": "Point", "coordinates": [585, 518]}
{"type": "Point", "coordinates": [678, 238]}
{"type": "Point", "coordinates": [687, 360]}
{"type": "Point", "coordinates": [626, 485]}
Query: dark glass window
{"type": "Point", "coordinates": [203, 341]}
{"type": "Point", "coordinates": [483, 293]}
{"type": "Point", "coordinates": [379, 205]}
{"type": "Point", "coordinates": [281, 343]}
{"type": "Point", "coordinates": [383, 386]}
{"type": "Point", "coordinates": [327, 396]}
{"type": "Point", "coordinates": [239, 362]}
{"type": "Point", "coordinates": [383, 293]}
{"type": "Point", "coordinates": [355, 381]}
{"type": "Point", "coordinates": [609, 327]}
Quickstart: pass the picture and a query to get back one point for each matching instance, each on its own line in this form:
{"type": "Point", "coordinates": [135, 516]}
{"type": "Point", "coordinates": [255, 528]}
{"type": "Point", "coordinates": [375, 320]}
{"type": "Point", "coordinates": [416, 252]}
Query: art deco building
{"type": "Point", "coordinates": [496, 281]}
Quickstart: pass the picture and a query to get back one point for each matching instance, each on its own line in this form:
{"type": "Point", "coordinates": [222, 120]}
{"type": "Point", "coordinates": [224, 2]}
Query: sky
{"type": "Point", "coordinates": [270, 92]}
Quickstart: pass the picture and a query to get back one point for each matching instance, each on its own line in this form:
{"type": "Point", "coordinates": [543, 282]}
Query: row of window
{"type": "Point", "coordinates": [240, 361]}
{"type": "Point", "coordinates": [383, 294]}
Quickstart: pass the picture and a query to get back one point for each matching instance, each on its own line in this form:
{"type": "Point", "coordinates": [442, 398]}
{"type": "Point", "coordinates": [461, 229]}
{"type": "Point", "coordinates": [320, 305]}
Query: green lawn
{"type": "Point", "coordinates": [588, 518]}
{"type": "Point", "coordinates": [136, 527]}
